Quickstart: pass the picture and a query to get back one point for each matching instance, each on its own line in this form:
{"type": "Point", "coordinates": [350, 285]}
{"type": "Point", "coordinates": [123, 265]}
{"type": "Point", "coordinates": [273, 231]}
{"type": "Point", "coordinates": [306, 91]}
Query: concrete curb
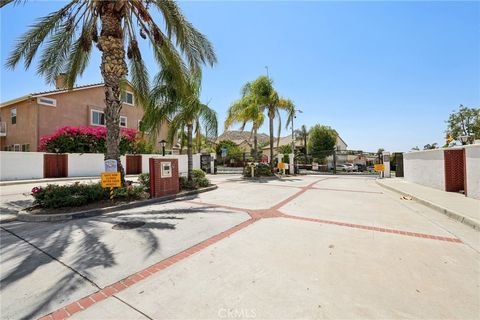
{"type": "Point", "coordinates": [451, 214]}
{"type": "Point", "coordinates": [27, 217]}
{"type": "Point", "coordinates": [53, 180]}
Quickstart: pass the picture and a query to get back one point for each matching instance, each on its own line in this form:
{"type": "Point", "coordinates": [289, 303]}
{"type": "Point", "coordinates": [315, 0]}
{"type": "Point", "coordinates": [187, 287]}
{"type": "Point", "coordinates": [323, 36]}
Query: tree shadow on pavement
{"type": "Point", "coordinates": [83, 246]}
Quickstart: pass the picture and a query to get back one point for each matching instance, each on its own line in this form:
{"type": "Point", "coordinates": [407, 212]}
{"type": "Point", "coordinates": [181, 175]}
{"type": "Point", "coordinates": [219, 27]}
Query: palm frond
{"type": "Point", "coordinates": [80, 53]}
{"type": "Point", "coordinates": [28, 44]}
{"type": "Point", "coordinates": [197, 49]}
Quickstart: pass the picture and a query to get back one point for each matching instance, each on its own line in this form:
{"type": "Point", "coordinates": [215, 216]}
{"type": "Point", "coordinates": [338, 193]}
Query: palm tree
{"type": "Point", "coordinates": [302, 134]}
{"type": "Point", "coordinates": [262, 92]}
{"type": "Point", "coordinates": [68, 36]}
{"type": "Point", "coordinates": [182, 106]}
{"type": "Point", "coordinates": [244, 111]}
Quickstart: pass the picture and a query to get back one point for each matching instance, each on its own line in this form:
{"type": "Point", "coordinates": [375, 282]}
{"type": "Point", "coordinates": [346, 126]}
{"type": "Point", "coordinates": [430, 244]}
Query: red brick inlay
{"type": "Point", "coordinates": [378, 229]}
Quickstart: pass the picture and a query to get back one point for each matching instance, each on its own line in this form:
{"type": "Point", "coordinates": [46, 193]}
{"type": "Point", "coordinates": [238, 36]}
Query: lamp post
{"type": "Point", "coordinates": [163, 143]}
{"type": "Point", "coordinates": [464, 139]}
{"type": "Point", "coordinates": [293, 137]}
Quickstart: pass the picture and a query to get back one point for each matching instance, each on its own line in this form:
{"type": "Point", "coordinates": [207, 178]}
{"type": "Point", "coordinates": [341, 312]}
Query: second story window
{"type": "Point", "coordinates": [47, 101]}
{"type": "Point", "coordinates": [127, 97]}
{"type": "Point", "coordinates": [13, 113]}
{"type": "Point", "coordinates": [97, 118]}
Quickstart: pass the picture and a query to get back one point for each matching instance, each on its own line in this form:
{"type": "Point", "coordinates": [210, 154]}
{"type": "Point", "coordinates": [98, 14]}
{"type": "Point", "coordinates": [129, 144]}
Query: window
{"type": "Point", "coordinates": [123, 121]}
{"type": "Point", "coordinates": [97, 118]}
{"type": "Point", "coordinates": [127, 97]}
{"type": "Point", "coordinates": [47, 101]}
{"type": "Point", "coordinates": [13, 113]}
{"type": "Point", "coordinates": [16, 147]}
{"type": "Point", "coordinates": [25, 147]}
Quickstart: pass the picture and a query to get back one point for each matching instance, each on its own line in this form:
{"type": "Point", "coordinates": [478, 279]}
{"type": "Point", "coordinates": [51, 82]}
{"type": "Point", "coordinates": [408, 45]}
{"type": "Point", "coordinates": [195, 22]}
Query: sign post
{"type": "Point", "coordinates": [379, 168]}
{"type": "Point", "coordinates": [111, 177]}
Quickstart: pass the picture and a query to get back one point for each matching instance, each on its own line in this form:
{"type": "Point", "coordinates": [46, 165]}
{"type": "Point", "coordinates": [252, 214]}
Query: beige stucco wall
{"type": "Point", "coordinates": [25, 130]}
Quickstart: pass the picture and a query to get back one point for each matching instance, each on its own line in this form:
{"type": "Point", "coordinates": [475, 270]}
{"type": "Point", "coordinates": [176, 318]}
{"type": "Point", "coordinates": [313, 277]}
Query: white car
{"type": "Point", "coordinates": [342, 167]}
{"type": "Point", "coordinates": [351, 167]}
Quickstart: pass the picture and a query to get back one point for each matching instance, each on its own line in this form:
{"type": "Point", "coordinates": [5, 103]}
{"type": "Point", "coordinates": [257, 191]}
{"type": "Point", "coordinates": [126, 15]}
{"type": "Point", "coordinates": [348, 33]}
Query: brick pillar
{"type": "Point", "coordinates": [164, 177]}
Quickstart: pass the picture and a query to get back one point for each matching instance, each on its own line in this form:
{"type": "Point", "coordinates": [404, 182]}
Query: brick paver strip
{"type": "Point", "coordinates": [378, 229]}
{"type": "Point", "coordinates": [255, 215]}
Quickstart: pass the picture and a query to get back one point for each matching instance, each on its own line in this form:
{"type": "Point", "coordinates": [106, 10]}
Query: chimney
{"type": "Point", "coordinates": [61, 81]}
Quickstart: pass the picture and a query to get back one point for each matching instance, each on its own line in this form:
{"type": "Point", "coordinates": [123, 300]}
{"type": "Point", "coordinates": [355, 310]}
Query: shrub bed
{"type": "Point", "coordinates": [260, 170]}
{"type": "Point", "coordinates": [199, 180]}
{"type": "Point", "coordinates": [78, 194]}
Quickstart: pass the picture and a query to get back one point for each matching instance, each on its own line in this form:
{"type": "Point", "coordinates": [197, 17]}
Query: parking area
{"type": "Point", "coordinates": [295, 248]}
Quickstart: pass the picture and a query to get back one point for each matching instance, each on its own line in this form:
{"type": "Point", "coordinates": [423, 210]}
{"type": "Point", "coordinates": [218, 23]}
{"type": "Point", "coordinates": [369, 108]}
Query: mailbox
{"type": "Point", "coordinates": [164, 177]}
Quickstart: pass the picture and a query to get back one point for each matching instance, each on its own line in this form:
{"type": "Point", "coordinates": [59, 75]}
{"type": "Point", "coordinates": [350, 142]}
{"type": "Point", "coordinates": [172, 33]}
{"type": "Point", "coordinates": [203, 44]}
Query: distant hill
{"type": "Point", "coordinates": [236, 135]}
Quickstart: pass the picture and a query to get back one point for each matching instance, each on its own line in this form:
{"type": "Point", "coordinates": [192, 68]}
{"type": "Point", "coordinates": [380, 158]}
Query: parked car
{"type": "Point", "coordinates": [350, 167]}
{"type": "Point", "coordinates": [342, 167]}
{"type": "Point", "coordinates": [361, 167]}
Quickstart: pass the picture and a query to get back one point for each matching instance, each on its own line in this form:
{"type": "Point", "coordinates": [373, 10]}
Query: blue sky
{"type": "Point", "coordinates": [383, 74]}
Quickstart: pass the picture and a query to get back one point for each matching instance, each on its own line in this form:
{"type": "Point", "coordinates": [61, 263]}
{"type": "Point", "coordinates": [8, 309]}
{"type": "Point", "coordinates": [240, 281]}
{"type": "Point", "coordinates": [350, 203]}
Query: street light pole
{"type": "Point", "coordinates": [293, 137]}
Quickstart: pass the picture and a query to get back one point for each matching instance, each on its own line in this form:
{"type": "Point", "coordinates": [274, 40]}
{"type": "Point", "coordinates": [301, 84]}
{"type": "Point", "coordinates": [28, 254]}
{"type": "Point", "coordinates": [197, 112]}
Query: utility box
{"type": "Point", "coordinates": [164, 177]}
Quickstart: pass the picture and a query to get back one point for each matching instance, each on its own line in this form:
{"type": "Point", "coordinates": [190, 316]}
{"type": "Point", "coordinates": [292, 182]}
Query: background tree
{"type": "Point", "coordinates": [244, 111]}
{"type": "Point", "coordinates": [321, 142]}
{"type": "Point", "coordinates": [69, 34]}
{"type": "Point", "coordinates": [285, 149]}
{"type": "Point", "coordinates": [429, 146]}
{"type": "Point", "coordinates": [302, 134]}
{"type": "Point", "coordinates": [233, 151]}
{"type": "Point", "coordinates": [266, 97]}
{"type": "Point", "coordinates": [182, 106]}
{"type": "Point", "coordinates": [465, 121]}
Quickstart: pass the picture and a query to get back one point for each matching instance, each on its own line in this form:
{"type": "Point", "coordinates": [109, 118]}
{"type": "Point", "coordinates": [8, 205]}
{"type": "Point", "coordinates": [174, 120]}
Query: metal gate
{"type": "Point", "coordinates": [205, 163]}
{"type": "Point", "coordinates": [455, 170]}
{"type": "Point", "coordinates": [55, 165]}
{"type": "Point", "coordinates": [398, 164]}
{"type": "Point", "coordinates": [134, 164]}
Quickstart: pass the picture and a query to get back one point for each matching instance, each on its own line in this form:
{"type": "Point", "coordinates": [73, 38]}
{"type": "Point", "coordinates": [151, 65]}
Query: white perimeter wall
{"type": "Point", "coordinates": [472, 155]}
{"type": "Point", "coordinates": [21, 165]}
{"type": "Point", "coordinates": [425, 168]}
{"type": "Point", "coordinates": [182, 162]}
{"type": "Point", "coordinates": [29, 165]}
{"type": "Point", "coordinates": [85, 165]}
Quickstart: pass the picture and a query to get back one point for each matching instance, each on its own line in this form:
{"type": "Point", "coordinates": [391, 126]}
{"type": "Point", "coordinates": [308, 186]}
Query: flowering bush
{"type": "Point", "coordinates": [86, 140]}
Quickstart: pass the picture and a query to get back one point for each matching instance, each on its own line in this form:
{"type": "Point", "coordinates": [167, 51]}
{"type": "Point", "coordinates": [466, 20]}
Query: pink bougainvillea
{"type": "Point", "coordinates": [85, 139]}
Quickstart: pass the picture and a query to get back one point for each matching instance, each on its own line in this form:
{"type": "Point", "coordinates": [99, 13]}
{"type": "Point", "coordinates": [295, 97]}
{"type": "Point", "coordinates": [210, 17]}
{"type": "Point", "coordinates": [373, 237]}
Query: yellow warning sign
{"type": "Point", "coordinates": [111, 180]}
{"type": "Point", "coordinates": [379, 167]}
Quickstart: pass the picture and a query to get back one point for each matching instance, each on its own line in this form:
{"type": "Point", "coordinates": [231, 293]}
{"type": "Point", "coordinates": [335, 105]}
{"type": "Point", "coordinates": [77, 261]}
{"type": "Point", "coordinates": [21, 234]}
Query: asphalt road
{"type": "Point", "coordinates": [298, 248]}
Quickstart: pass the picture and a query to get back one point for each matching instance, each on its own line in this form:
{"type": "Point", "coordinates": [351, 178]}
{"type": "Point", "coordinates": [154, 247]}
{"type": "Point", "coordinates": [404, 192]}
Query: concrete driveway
{"type": "Point", "coordinates": [298, 248]}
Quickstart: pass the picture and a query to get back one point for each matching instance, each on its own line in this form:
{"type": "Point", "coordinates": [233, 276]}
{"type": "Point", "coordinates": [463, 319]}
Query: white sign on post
{"type": "Point", "coordinates": [111, 165]}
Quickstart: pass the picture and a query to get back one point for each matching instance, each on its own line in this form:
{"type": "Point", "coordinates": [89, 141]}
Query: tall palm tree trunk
{"type": "Point", "coordinates": [255, 143]}
{"type": "Point", "coordinates": [270, 116]}
{"type": "Point", "coordinates": [113, 69]}
{"type": "Point", "coordinates": [189, 150]}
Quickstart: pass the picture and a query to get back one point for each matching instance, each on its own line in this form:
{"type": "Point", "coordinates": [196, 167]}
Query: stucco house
{"type": "Point", "coordinates": [243, 139]}
{"type": "Point", "coordinates": [287, 140]}
{"type": "Point", "coordinates": [24, 120]}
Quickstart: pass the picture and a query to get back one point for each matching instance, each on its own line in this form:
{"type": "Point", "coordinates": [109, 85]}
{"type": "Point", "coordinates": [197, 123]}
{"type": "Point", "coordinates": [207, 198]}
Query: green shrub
{"type": "Point", "coordinates": [144, 180]}
{"type": "Point", "coordinates": [261, 170]}
{"type": "Point", "coordinates": [198, 174]}
{"type": "Point", "coordinates": [55, 196]}
{"type": "Point", "coordinates": [129, 193]}
{"type": "Point", "coordinates": [199, 180]}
